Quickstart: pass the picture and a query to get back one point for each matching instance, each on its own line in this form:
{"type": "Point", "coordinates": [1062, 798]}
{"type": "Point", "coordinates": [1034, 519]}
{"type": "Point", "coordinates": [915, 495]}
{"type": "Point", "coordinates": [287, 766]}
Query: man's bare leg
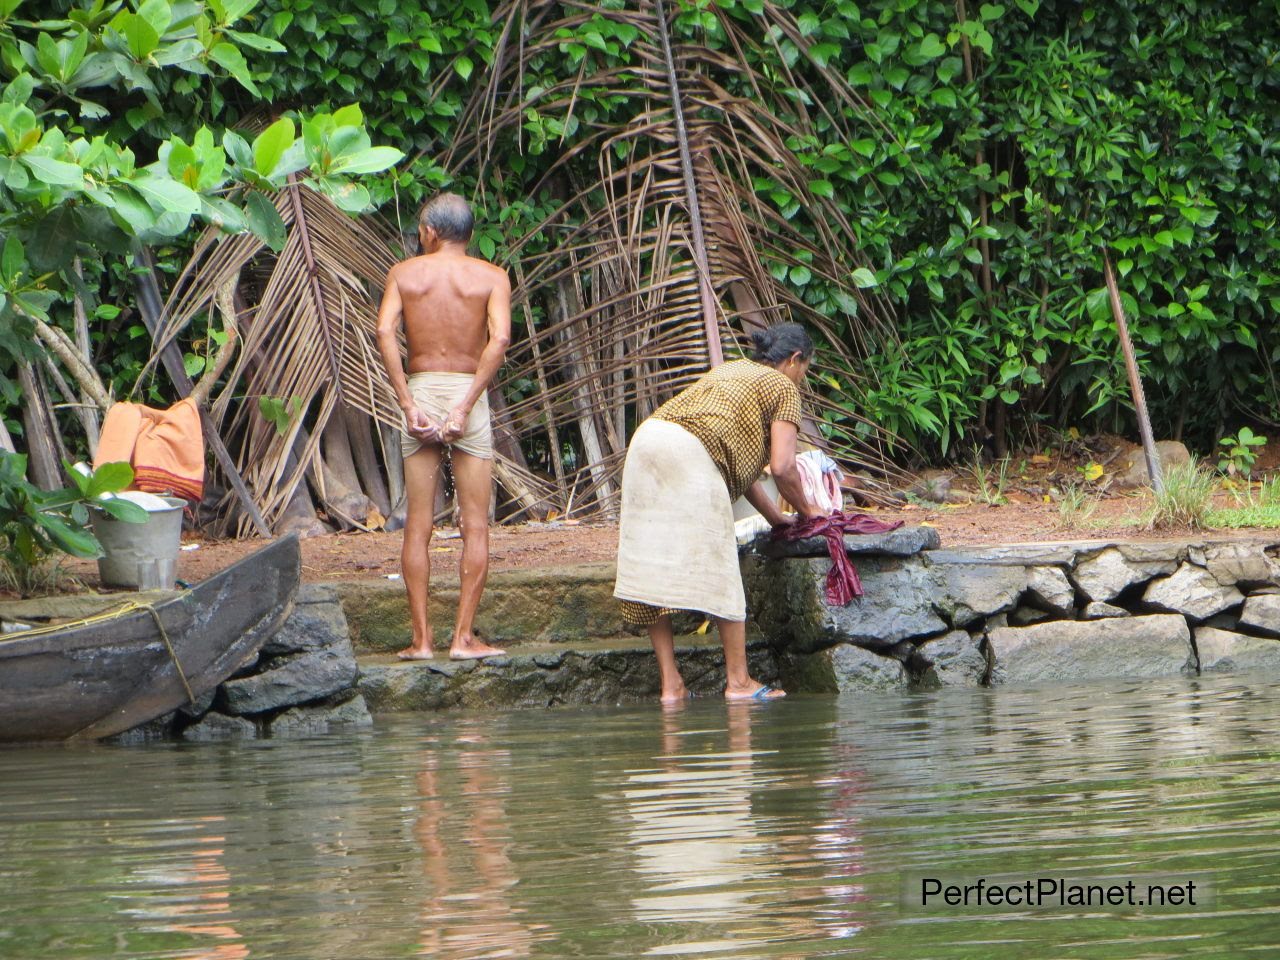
{"type": "Point", "coordinates": [421, 474]}
{"type": "Point", "coordinates": [664, 648]}
{"type": "Point", "coordinates": [472, 479]}
{"type": "Point", "coordinates": [739, 684]}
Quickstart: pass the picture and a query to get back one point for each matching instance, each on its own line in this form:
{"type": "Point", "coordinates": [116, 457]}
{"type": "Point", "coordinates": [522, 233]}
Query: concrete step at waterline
{"type": "Point", "coordinates": [548, 606]}
{"type": "Point", "coordinates": [608, 671]}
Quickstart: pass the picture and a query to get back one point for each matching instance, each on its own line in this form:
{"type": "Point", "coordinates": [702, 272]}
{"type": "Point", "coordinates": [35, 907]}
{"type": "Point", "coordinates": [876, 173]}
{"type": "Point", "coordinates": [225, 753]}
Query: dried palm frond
{"type": "Point", "coordinates": [612, 301]}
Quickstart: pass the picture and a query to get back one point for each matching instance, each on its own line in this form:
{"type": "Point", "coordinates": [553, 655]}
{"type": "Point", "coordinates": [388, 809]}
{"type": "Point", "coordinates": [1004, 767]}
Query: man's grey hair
{"type": "Point", "coordinates": [449, 216]}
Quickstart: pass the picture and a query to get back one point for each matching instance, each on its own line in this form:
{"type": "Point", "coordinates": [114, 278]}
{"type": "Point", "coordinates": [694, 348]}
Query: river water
{"type": "Point", "coordinates": [804, 828]}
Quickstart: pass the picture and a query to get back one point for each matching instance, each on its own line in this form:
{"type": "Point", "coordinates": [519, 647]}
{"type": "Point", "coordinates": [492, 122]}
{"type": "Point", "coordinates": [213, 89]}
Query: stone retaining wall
{"type": "Point", "coordinates": [1018, 614]}
{"type": "Point", "coordinates": [304, 680]}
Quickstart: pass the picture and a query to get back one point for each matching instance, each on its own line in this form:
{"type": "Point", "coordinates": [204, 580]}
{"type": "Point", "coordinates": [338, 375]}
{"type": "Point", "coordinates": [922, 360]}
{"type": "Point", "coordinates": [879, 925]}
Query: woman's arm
{"type": "Point", "coordinates": [782, 464]}
{"type": "Point", "coordinates": [764, 504]}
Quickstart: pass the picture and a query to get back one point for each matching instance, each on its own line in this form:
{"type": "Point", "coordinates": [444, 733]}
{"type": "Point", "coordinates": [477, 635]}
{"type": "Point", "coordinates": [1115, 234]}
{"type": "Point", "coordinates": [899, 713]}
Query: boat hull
{"type": "Point", "coordinates": [95, 680]}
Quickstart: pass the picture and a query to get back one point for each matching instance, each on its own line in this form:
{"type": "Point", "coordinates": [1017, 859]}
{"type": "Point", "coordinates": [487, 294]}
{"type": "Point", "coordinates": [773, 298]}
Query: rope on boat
{"type": "Point", "coordinates": [129, 606]}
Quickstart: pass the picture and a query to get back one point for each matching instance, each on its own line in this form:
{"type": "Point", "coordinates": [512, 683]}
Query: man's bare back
{"type": "Point", "coordinates": [445, 303]}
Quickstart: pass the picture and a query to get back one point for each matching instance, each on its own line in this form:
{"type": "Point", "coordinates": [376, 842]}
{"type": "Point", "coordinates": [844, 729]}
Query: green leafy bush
{"type": "Point", "coordinates": [37, 524]}
{"type": "Point", "coordinates": [1239, 452]}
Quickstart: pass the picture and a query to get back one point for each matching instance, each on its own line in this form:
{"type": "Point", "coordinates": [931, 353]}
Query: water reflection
{"type": "Point", "coordinates": [464, 841]}
{"type": "Point", "coordinates": [722, 831]}
{"type": "Point", "coordinates": [199, 909]}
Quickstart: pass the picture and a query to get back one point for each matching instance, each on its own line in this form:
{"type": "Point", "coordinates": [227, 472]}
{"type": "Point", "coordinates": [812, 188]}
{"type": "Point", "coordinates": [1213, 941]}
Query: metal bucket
{"type": "Point", "coordinates": [142, 556]}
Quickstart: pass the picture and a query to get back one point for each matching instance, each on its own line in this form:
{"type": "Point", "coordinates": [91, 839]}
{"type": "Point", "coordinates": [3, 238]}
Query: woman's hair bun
{"type": "Point", "coordinates": [782, 340]}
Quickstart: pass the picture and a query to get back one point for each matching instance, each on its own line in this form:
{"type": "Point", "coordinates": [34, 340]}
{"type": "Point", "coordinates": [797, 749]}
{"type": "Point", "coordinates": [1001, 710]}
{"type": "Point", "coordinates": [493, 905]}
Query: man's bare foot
{"type": "Point", "coordinates": [680, 694]}
{"type": "Point", "coordinates": [754, 691]}
{"type": "Point", "coordinates": [416, 653]}
{"type": "Point", "coordinates": [472, 648]}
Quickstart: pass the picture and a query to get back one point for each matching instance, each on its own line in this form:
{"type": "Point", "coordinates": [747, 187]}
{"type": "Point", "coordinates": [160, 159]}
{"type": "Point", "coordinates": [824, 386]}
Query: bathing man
{"type": "Point", "coordinates": [457, 323]}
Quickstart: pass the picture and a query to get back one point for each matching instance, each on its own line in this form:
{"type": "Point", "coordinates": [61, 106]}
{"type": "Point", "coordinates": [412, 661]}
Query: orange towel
{"type": "Point", "coordinates": [165, 447]}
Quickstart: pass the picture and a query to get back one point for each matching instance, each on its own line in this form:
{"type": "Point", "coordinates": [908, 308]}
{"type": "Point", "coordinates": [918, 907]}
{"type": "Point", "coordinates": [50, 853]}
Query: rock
{"type": "Point", "coordinates": [1097, 610]}
{"type": "Point", "coordinates": [1241, 565]}
{"type": "Point", "coordinates": [966, 593]}
{"type": "Point", "coordinates": [201, 705]}
{"type": "Point", "coordinates": [322, 717]}
{"type": "Point", "coordinates": [1193, 592]}
{"type": "Point", "coordinates": [1025, 615]}
{"type": "Point", "coordinates": [1223, 621]}
{"type": "Point", "coordinates": [1131, 471]}
{"type": "Point", "coordinates": [787, 603]}
{"type": "Point", "coordinates": [843, 668]}
{"type": "Point", "coordinates": [317, 621]}
{"type": "Point", "coordinates": [1049, 589]}
{"type": "Point", "coordinates": [953, 660]}
{"type": "Point", "coordinates": [1012, 555]}
{"type": "Point", "coordinates": [218, 726]}
{"type": "Point", "coordinates": [291, 680]}
{"type": "Point", "coordinates": [1222, 651]}
{"type": "Point", "coordinates": [561, 605]}
{"type": "Point", "coordinates": [1071, 650]}
{"type": "Point", "coordinates": [1107, 575]}
{"type": "Point", "coordinates": [604, 671]}
{"type": "Point", "coordinates": [903, 542]}
{"type": "Point", "coordinates": [1261, 614]}
{"type": "Point", "coordinates": [161, 728]}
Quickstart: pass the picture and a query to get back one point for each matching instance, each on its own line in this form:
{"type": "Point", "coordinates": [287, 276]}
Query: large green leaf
{"type": "Point", "coordinates": [55, 173]}
{"type": "Point", "coordinates": [165, 195]}
{"type": "Point", "coordinates": [263, 219]}
{"type": "Point", "coordinates": [140, 36]}
{"type": "Point", "coordinates": [77, 542]}
{"type": "Point", "coordinates": [109, 478]}
{"type": "Point", "coordinates": [125, 510]}
{"type": "Point", "coordinates": [372, 160]}
{"type": "Point", "coordinates": [270, 145]}
{"type": "Point", "coordinates": [232, 60]}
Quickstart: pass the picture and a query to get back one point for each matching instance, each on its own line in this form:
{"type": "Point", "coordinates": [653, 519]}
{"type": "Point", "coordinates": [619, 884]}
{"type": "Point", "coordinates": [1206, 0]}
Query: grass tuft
{"type": "Point", "coordinates": [1076, 508]}
{"type": "Point", "coordinates": [1185, 499]}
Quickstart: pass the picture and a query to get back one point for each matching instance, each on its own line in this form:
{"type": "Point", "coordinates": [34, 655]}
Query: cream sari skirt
{"type": "Point", "coordinates": [676, 543]}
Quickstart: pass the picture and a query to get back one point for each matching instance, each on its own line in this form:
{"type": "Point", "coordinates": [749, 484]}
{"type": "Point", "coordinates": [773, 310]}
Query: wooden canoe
{"type": "Point", "coordinates": [88, 681]}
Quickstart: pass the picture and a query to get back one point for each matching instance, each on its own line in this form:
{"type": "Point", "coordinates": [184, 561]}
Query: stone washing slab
{"type": "Point", "coordinates": [604, 672]}
{"type": "Point", "coordinates": [841, 669]}
{"type": "Point", "coordinates": [1071, 650]}
{"type": "Point", "coordinates": [1193, 592]}
{"type": "Point", "coordinates": [903, 542]}
{"type": "Point", "coordinates": [1221, 651]}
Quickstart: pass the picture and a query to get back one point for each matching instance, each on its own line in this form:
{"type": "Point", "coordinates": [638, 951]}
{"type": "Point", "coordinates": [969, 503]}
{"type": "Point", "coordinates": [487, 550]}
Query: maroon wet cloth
{"type": "Point", "coordinates": [843, 582]}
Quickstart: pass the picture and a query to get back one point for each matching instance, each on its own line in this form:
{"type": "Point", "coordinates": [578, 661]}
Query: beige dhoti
{"type": "Point", "coordinates": [436, 394]}
{"type": "Point", "coordinates": [676, 543]}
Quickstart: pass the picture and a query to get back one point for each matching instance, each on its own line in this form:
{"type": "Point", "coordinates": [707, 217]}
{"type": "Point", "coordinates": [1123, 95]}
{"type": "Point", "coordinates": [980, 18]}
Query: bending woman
{"type": "Point", "coordinates": [685, 466]}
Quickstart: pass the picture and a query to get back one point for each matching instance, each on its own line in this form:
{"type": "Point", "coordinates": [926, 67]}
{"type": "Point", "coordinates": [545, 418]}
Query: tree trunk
{"type": "Point", "coordinates": [6, 441]}
{"type": "Point", "coordinates": [360, 437]}
{"type": "Point", "coordinates": [87, 412]}
{"type": "Point", "coordinates": [38, 425]}
{"type": "Point", "coordinates": [592, 448]}
{"type": "Point", "coordinates": [338, 482]}
{"type": "Point", "coordinates": [394, 458]}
